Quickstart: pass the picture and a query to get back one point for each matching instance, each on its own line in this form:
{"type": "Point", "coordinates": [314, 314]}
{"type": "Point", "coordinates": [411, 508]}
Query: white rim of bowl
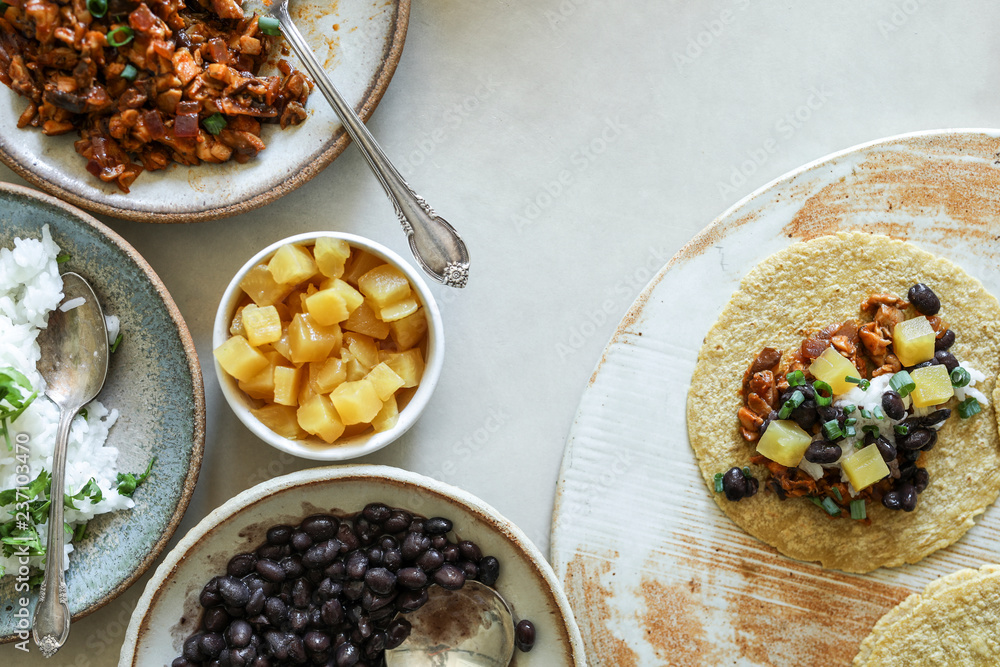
{"type": "Point", "coordinates": [340, 472]}
{"type": "Point", "coordinates": [360, 445]}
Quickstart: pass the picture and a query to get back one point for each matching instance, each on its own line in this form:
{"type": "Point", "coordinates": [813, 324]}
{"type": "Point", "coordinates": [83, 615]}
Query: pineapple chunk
{"type": "Point", "coordinates": [385, 380]}
{"type": "Point", "coordinates": [239, 359]}
{"type": "Point", "coordinates": [331, 255]}
{"type": "Point", "coordinates": [933, 386]}
{"type": "Point", "coordinates": [281, 419]}
{"type": "Point", "coordinates": [784, 442]}
{"type": "Point", "coordinates": [408, 365]}
{"type": "Point", "coordinates": [317, 416]}
{"type": "Point", "coordinates": [831, 367]}
{"type": "Point", "coordinates": [354, 369]}
{"type": "Point", "coordinates": [399, 310]}
{"type": "Point", "coordinates": [365, 321]}
{"type": "Point", "coordinates": [387, 416]}
{"type": "Point", "coordinates": [864, 467]}
{"type": "Point", "coordinates": [383, 285]}
{"type": "Point", "coordinates": [236, 326]}
{"type": "Point", "coordinates": [261, 385]}
{"type": "Point", "coordinates": [311, 341]}
{"type": "Point", "coordinates": [360, 263]}
{"type": "Point", "coordinates": [261, 324]}
{"type": "Point", "coordinates": [913, 341]}
{"type": "Point", "coordinates": [286, 385]}
{"type": "Point", "coordinates": [260, 286]}
{"type": "Point", "coordinates": [352, 297]}
{"type": "Point", "coordinates": [327, 306]}
{"type": "Point", "coordinates": [356, 402]}
{"type": "Point", "coordinates": [324, 376]}
{"type": "Point", "coordinates": [363, 348]}
{"type": "Point", "coordinates": [283, 345]}
{"type": "Point", "coordinates": [292, 265]}
{"type": "Point", "coordinates": [409, 330]}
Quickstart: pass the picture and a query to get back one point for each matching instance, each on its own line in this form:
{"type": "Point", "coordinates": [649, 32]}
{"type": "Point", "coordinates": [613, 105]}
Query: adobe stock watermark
{"type": "Point", "coordinates": [617, 296]}
{"type": "Point", "coordinates": [785, 127]}
{"type": "Point", "coordinates": [899, 16]}
{"type": "Point", "coordinates": [22, 477]}
{"type": "Point", "coordinates": [709, 33]}
{"type": "Point", "coordinates": [581, 160]}
{"type": "Point", "coordinates": [472, 443]}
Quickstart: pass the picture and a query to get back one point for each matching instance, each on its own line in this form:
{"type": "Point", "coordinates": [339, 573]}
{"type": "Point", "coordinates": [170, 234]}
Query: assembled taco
{"type": "Point", "coordinates": [955, 621]}
{"type": "Point", "coordinates": [842, 406]}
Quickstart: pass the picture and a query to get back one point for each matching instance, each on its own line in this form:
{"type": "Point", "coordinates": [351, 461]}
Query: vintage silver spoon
{"type": "Point", "coordinates": [436, 245]}
{"type": "Point", "coordinates": [74, 364]}
{"type": "Point", "coordinates": [470, 627]}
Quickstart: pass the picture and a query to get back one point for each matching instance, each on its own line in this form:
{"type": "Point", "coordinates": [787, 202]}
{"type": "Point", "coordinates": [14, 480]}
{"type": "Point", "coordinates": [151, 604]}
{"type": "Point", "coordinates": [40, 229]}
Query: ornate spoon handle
{"type": "Point", "coordinates": [436, 245]}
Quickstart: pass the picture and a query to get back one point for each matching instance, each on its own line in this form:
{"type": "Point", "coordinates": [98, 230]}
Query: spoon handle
{"type": "Point", "coordinates": [436, 245]}
{"type": "Point", "coordinates": [50, 626]}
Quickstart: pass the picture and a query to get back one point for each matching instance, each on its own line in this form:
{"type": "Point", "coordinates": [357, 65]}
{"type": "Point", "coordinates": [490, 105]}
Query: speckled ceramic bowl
{"type": "Point", "coordinates": [153, 380]}
{"type": "Point", "coordinates": [168, 610]}
{"type": "Point", "coordinates": [359, 445]}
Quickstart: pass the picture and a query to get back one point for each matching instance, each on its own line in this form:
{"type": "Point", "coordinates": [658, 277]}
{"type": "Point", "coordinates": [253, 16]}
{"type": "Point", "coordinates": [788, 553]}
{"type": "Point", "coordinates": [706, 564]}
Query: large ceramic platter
{"type": "Point", "coordinates": [155, 383]}
{"type": "Point", "coordinates": [359, 43]}
{"type": "Point", "coordinates": [655, 572]}
{"type": "Point", "coordinates": [169, 610]}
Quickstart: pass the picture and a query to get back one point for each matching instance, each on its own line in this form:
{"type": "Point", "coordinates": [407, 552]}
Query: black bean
{"type": "Point", "coordinates": [317, 642]}
{"type": "Point", "coordinates": [181, 662]}
{"type": "Point", "coordinates": [413, 545]}
{"type": "Point", "coordinates": [292, 565]}
{"type": "Point", "coordinates": [470, 551]}
{"type": "Point", "coordinates": [470, 568]}
{"type": "Point", "coordinates": [273, 552]}
{"type": "Point", "coordinates": [276, 611]}
{"type": "Point", "coordinates": [392, 559]}
{"type": "Point", "coordinates": [396, 633]}
{"type": "Point", "coordinates": [373, 602]}
{"type": "Point", "coordinates": [298, 620]}
{"type": "Point", "coordinates": [437, 525]}
{"type": "Point", "coordinates": [357, 564]}
{"type": "Point", "coordinates": [752, 487]}
{"type": "Point", "coordinates": [233, 591]}
{"type": "Point", "coordinates": [242, 657]}
{"type": "Point", "coordinates": [301, 541]}
{"type": "Point", "coordinates": [296, 650]}
{"type": "Point", "coordinates": [215, 619]}
{"type": "Point", "coordinates": [241, 565]}
{"type": "Point", "coordinates": [924, 299]}
{"type": "Point", "coordinates": [416, 526]}
{"type": "Point", "coordinates": [829, 413]}
{"type": "Point", "coordinates": [321, 555]}
{"type": "Point", "coordinates": [211, 644]}
{"type": "Point", "coordinates": [354, 589]}
{"type": "Point", "coordinates": [235, 612]}
{"type": "Point", "coordinates": [886, 449]}
{"type": "Point", "coordinates": [430, 560]}
{"type": "Point", "coordinates": [336, 570]}
{"type": "Point", "coordinates": [805, 416]}
{"type": "Point", "coordinates": [375, 644]}
{"type": "Point", "coordinates": [209, 596]}
{"type": "Point", "coordinates": [365, 628]}
{"type": "Point", "coordinates": [892, 405]}
{"type": "Point", "coordinates": [397, 522]}
{"type": "Point", "coordinates": [891, 500]}
{"type": "Point", "coordinates": [910, 455]}
{"type": "Point", "coordinates": [279, 534]}
{"type": "Point", "coordinates": [947, 359]}
{"type": "Point", "coordinates": [192, 650]}
{"type": "Point", "coordinates": [256, 603]}
{"type": "Point", "coordinates": [916, 438]}
{"type": "Point", "coordinates": [320, 527]}
{"type": "Point", "coordinates": [820, 451]}
{"type": "Point", "coordinates": [366, 531]}
{"type": "Point", "coordinates": [945, 340]}
{"type": "Point", "coordinates": [734, 484]}
{"type": "Point", "coordinates": [489, 570]}
{"type": "Point", "coordinates": [239, 633]}
{"type": "Point", "coordinates": [302, 593]}
{"type": "Point", "coordinates": [376, 512]}
{"type": "Point", "coordinates": [375, 556]}
{"type": "Point", "coordinates": [524, 636]}
{"type": "Point", "coordinates": [408, 601]}
{"type": "Point", "coordinates": [380, 580]}
{"type": "Point", "coordinates": [347, 655]}
{"type": "Point", "coordinates": [271, 571]}
{"type": "Point", "coordinates": [332, 612]}
{"type": "Point", "coordinates": [329, 589]}
{"type": "Point", "coordinates": [439, 542]}
{"type": "Point", "coordinates": [934, 418]}
{"type": "Point", "coordinates": [347, 538]}
{"type": "Point", "coordinates": [907, 497]}
{"type": "Point", "coordinates": [412, 578]}
{"type": "Point", "coordinates": [449, 577]}
{"type": "Point", "coordinates": [924, 364]}
{"type": "Point", "coordinates": [921, 479]}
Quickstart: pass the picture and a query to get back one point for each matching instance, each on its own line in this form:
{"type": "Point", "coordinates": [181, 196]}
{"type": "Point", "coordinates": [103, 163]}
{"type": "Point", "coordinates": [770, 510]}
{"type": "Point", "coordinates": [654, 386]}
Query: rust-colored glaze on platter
{"type": "Point", "coordinates": [644, 551]}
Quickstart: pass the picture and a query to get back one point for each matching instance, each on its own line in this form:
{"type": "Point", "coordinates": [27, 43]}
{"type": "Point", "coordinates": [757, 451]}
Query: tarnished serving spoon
{"type": "Point", "coordinates": [436, 245]}
{"type": "Point", "coordinates": [470, 627]}
{"type": "Point", "coordinates": [74, 363]}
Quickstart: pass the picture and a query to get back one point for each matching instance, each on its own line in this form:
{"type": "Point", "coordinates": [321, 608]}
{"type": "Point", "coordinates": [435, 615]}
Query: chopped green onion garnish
{"type": "Point", "coordinates": [746, 471]}
{"type": "Point", "coordinates": [269, 25]}
{"type": "Point", "coordinates": [858, 511]}
{"type": "Point", "coordinates": [865, 414]}
{"type": "Point", "coordinates": [849, 408]}
{"type": "Point", "coordinates": [820, 388]}
{"type": "Point", "coordinates": [902, 383]}
{"type": "Point", "coordinates": [850, 431]}
{"type": "Point", "coordinates": [837, 494]}
{"type": "Point", "coordinates": [850, 421]}
{"type": "Point", "coordinates": [118, 341]}
{"type": "Point", "coordinates": [852, 379]}
{"type": "Point", "coordinates": [214, 123]}
{"type": "Point", "coordinates": [816, 501]}
{"type": "Point", "coordinates": [830, 507]}
{"type": "Point", "coordinates": [831, 430]}
{"type": "Point", "coordinates": [97, 8]}
{"type": "Point", "coordinates": [796, 378]}
{"type": "Point", "coordinates": [794, 401]}
{"type": "Point", "coordinates": [968, 408]}
{"type": "Point", "coordinates": [879, 414]}
{"type": "Point", "coordinates": [901, 429]}
{"type": "Point", "coordinates": [870, 428]}
{"type": "Point", "coordinates": [960, 377]}
{"type": "Point", "coordinates": [120, 36]}
{"type": "Point", "coordinates": [62, 258]}
{"type": "Point", "coordinates": [864, 385]}
{"type": "Point", "coordinates": [718, 482]}
{"type": "Point", "coordinates": [130, 72]}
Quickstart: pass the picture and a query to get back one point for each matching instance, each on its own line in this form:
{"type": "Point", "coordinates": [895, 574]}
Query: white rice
{"type": "Point", "coordinates": [30, 288]}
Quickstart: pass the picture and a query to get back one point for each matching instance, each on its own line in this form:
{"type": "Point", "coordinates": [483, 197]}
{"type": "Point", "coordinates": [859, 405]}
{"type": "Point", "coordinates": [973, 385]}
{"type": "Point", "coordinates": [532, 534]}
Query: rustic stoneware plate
{"type": "Point", "coordinates": [358, 41]}
{"type": "Point", "coordinates": [655, 572]}
{"type": "Point", "coordinates": [168, 610]}
{"type": "Point", "coordinates": [154, 381]}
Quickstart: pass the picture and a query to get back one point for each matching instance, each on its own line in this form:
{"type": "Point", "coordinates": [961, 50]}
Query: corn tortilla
{"type": "Point", "coordinates": [796, 292]}
{"type": "Point", "coordinates": [954, 622]}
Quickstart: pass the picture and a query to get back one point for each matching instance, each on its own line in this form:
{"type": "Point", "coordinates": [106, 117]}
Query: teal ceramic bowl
{"type": "Point", "coordinates": [154, 381]}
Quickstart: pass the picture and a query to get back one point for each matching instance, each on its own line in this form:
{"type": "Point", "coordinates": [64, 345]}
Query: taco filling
{"type": "Point", "coordinates": [849, 417]}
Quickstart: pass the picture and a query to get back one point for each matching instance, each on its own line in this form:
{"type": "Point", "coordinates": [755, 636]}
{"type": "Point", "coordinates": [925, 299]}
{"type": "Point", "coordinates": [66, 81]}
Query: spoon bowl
{"type": "Point", "coordinates": [469, 627]}
{"type": "Point", "coordinates": [74, 363]}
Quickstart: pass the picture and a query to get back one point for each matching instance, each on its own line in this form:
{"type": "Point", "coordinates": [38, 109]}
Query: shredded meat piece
{"type": "Point", "coordinates": [127, 101]}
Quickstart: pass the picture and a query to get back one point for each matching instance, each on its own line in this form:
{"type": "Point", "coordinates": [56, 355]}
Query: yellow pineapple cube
{"type": "Point", "coordinates": [408, 365]}
{"type": "Point", "coordinates": [327, 306]}
{"type": "Point", "coordinates": [317, 416]}
{"type": "Point", "coordinates": [356, 402]}
{"type": "Point", "coordinates": [281, 419]}
{"type": "Point", "coordinates": [913, 341]}
{"type": "Point", "coordinates": [331, 255]}
{"type": "Point", "coordinates": [383, 285]}
{"type": "Point", "coordinates": [933, 386]}
{"type": "Point", "coordinates": [362, 347]}
{"type": "Point", "coordinates": [354, 369]}
{"type": "Point", "coordinates": [864, 467]}
{"type": "Point", "coordinates": [283, 345]}
{"type": "Point", "coordinates": [360, 263]}
{"type": "Point", "coordinates": [324, 376]}
{"type": "Point", "coordinates": [291, 265]}
{"type": "Point", "coordinates": [311, 341]}
{"type": "Point", "coordinates": [365, 321]}
{"type": "Point", "coordinates": [387, 416]}
{"type": "Point", "coordinates": [410, 330]}
{"type": "Point", "coordinates": [236, 325]}
{"type": "Point", "coordinates": [260, 286]}
{"type": "Point", "coordinates": [261, 324]}
{"type": "Point", "coordinates": [239, 359]}
{"type": "Point", "coordinates": [784, 442]}
{"type": "Point", "coordinates": [831, 367]}
{"type": "Point", "coordinates": [398, 310]}
{"type": "Point", "coordinates": [352, 297]}
{"type": "Point", "coordinates": [286, 385]}
{"type": "Point", "coordinates": [385, 380]}
{"type": "Point", "coordinates": [261, 385]}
